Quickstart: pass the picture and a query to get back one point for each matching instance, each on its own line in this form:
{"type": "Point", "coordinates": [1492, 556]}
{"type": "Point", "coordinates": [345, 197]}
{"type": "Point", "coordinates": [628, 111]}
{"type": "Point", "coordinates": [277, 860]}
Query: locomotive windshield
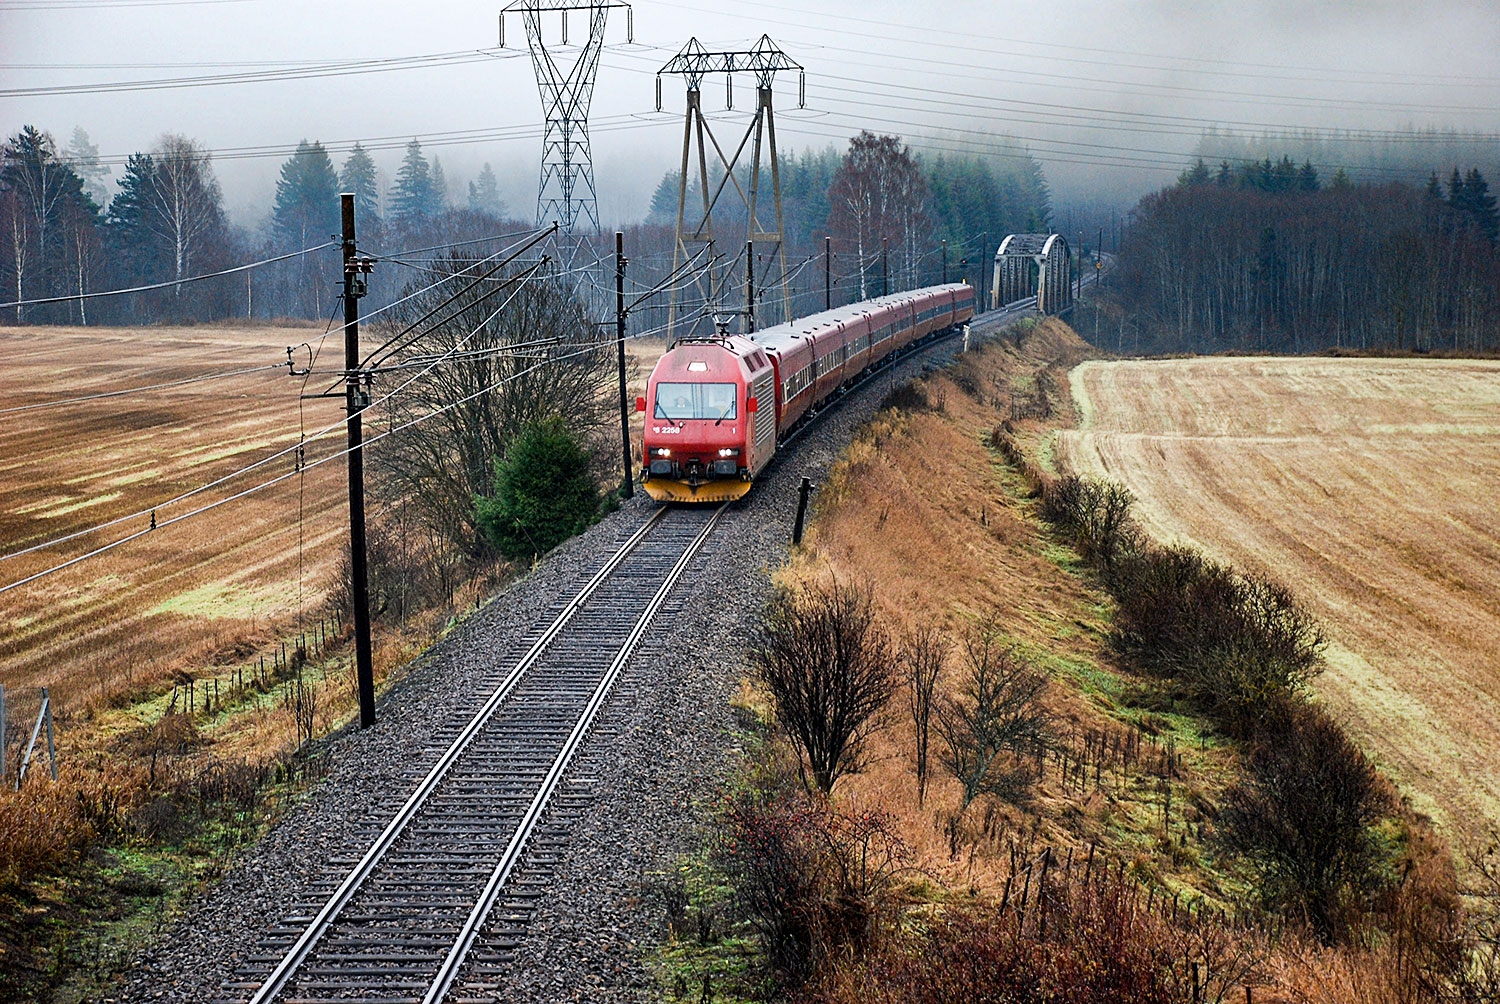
{"type": "Point", "coordinates": [678, 401]}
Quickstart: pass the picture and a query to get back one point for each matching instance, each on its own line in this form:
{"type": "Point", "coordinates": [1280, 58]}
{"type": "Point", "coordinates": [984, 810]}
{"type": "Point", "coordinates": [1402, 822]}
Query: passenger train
{"type": "Point", "coordinates": [717, 406]}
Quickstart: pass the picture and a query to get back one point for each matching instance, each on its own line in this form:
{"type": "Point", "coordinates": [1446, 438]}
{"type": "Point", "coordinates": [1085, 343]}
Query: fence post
{"type": "Point", "coordinates": [44, 714]}
{"type": "Point", "coordinates": [51, 746]}
{"type": "Point", "coordinates": [3, 755]}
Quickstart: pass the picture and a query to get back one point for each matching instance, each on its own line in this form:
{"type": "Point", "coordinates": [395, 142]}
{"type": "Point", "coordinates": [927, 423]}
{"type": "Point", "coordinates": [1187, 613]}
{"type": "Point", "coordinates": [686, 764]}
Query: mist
{"type": "Point", "coordinates": [1111, 98]}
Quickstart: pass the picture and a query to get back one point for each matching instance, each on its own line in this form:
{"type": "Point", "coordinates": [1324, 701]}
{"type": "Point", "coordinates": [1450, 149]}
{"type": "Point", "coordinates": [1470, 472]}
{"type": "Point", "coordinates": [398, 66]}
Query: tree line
{"type": "Point", "coordinates": [885, 207]}
{"type": "Point", "coordinates": [64, 232]}
{"type": "Point", "coordinates": [1265, 257]}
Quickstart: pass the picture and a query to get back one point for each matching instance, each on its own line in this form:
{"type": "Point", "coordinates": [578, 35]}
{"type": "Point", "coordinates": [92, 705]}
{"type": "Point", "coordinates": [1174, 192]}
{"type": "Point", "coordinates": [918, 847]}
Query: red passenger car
{"type": "Point", "coordinates": [716, 407]}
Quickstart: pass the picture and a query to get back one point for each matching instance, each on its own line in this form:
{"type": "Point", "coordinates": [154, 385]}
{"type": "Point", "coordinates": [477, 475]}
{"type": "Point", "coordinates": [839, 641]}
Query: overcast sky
{"type": "Point", "coordinates": [1085, 84]}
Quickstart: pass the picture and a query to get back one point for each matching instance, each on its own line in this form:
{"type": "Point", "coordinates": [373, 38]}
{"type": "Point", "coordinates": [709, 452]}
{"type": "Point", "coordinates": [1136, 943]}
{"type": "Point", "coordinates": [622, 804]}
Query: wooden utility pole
{"type": "Point", "coordinates": [885, 268]}
{"type": "Point", "coordinates": [627, 484]}
{"type": "Point", "coordinates": [356, 401]}
{"type": "Point", "coordinates": [945, 263]}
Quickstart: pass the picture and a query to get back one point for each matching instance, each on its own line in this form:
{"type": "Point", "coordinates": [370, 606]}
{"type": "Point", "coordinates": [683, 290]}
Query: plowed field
{"type": "Point", "coordinates": [105, 424]}
{"type": "Point", "coordinates": [73, 458]}
{"type": "Point", "coordinates": [1372, 488]}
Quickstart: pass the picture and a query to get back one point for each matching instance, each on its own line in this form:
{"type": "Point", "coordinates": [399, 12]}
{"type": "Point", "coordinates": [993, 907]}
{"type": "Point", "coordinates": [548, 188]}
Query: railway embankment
{"type": "Point", "coordinates": [1173, 824]}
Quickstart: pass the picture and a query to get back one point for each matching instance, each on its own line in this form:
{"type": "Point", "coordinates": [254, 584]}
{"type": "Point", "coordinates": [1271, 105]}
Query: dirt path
{"type": "Point", "coordinates": [1368, 486]}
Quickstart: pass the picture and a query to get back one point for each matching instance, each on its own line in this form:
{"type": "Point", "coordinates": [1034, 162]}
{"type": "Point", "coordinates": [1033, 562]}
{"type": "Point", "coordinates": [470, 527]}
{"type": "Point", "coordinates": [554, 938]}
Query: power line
{"type": "Point", "coordinates": [139, 390]}
{"type": "Point", "coordinates": [331, 69]}
{"type": "Point", "coordinates": [163, 285]}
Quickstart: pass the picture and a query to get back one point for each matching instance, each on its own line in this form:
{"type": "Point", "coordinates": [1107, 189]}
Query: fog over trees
{"type": "Point", "coordinates": [1266, 257]}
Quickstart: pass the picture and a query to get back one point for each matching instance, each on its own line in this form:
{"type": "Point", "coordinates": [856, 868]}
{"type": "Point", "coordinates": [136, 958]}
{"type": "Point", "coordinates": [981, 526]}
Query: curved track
{"type": "Point", "coordinates": [399, 924]}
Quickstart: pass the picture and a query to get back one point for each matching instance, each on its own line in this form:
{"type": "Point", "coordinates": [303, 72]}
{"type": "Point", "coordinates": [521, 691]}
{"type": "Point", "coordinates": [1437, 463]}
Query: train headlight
{"type": "Point", "coordinates": [660, 451]}
{"type": "Point", "coordinates": [729, 453]}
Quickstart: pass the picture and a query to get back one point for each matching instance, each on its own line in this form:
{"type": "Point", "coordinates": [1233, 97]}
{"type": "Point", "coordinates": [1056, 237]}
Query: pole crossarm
{"type": "Point", "coordinates": [696, 62]}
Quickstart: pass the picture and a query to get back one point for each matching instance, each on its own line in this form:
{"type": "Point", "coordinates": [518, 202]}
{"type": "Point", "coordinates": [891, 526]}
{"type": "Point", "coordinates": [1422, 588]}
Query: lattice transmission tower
{"type": "Point", "coordinates": [694, 63]}
{"type": "Point", "coordinates": [565, 76]}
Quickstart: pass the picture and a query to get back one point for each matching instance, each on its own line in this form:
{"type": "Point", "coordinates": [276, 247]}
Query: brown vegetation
{"type": "Point", "coordinates": [1150, 855]}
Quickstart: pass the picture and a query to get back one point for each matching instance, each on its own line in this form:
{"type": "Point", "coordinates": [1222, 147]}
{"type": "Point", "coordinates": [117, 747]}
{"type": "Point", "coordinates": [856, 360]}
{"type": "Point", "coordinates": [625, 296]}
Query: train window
{"type": "Point", "coordinates": [679, 401]}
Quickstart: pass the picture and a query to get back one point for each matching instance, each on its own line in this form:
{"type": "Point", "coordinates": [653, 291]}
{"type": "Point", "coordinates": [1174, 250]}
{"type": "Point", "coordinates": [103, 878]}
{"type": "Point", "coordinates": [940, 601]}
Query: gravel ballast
{"type": "Point", "coordinates": [665, 745]}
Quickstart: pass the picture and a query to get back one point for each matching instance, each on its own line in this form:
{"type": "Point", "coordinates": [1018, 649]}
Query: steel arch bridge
{"type": "Point", "coordinates": [1033, 264]}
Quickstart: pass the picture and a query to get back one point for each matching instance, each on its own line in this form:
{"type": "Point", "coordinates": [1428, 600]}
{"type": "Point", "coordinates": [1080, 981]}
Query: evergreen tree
{"type": "Point", "coordinates": [1307, 178]}
{"type": "Point", "coordinates": [307, 203]}
{"type": "Point", "coordinates": [543, 492]}
{"type": "Point", "coordinates": [412, 198]}
{"type": "Point", "coordinates": [1225, 177]}
{"type": "Point", "coordinates": [1480, 204]}
{"type": "Point", "coordinates": [1456, 191]}
{"type": "Point", "coordinates": [1198, 174]}
{"type": "Point", "coordinates": [359, 176]}
{"type": "Point", "coordinates": [83, 157]}
{"type": "Point", "coordinates": [484, 194]}
{"type": "Point", "coordinates": [1342, 182]}
{"type": "Point", "coordinates": [439, 190]}
{"type": "Point", "coordinates": [1434, 188]}
{"type": "Point", "coordinates": [133, 245]}
{"type": "Point", "coordinates": [663, 211]}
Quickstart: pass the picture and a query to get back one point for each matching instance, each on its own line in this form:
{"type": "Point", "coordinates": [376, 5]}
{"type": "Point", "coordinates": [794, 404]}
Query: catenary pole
{"type": "Point", "coordinates": [749, 287]}
{"type": "Point", "coordinates": [359, 574]}
{"type": "Point", "coordinates": [827, 273]}
{"type": "Point", "coordinates": [627, 483]}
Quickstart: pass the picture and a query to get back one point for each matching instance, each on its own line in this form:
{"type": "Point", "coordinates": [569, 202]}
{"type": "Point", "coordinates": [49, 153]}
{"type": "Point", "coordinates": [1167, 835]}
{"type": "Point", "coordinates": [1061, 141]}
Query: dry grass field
{"type": "Point", "coordinates": [1366, 485]}
{"type": "Point", "coordinates": [184, 595]}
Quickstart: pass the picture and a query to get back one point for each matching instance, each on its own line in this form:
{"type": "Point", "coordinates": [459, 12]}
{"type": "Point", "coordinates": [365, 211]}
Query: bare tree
{"type": "Point", "coordinates": [828, 664]}
{"type": "Point", "coordinates": [923, 652]}
{"type": "Point", "coordinates": [879, 194]}
{"type": "Point", "coordinates": [507, 353]}
{"type": "Point", "coordinates": [183, 202]}
{"type": "Point", "coordinates": [996, 722]}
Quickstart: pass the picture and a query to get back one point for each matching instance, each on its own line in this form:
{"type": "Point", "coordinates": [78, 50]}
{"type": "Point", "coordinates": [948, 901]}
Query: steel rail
{"type": "Point", "coordinates": [325, 917]}
{"type": "Point", "coordinates": [448, 972]}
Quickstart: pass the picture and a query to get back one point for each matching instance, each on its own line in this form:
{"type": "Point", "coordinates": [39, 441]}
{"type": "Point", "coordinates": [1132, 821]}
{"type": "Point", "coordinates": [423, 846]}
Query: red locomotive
{"type": "Point", "coordinates": [717, 406]}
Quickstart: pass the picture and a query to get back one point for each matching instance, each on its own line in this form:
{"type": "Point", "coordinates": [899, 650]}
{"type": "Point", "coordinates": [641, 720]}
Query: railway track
{"type": "Point", "coordinates": [407, 920]}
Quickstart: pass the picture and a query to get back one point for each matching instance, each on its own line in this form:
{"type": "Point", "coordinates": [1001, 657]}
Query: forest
{"type": "Point", "coordinates": [1267, 258]}
{"type": "Point", "coordinates": [67, 234]}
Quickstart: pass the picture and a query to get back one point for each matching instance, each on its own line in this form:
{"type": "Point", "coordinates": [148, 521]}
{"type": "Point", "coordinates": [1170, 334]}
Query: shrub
{"type": "Point", "coordinates": [1305, 817]}
{"type": "Point", "coordinates": [544, 493]}
{"type": "Point", "coordinates": [990, 731]}
{"type": "Point", "coordinates": [1094, 516]}
{"type": "Point", "coordinates": [811, 881]}
{"type": "Point", "coordinates": [829, 667]}
{"type": "Point", "coordinates": [1099, 949]}
{"type": "Point", "coordinates": [1236, 642]}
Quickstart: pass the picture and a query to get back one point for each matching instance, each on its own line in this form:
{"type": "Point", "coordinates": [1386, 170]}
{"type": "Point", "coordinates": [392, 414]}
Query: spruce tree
{"type": "Point", "coordinates": [307, 203]}
{"type": "Point", "coordinates": [1480, 204]}
{"type": "Point", "coordinates": [412, 198]}
{"type": "Point", "coordinates": [484, 194]}
{"type": "Point", "coordinates": [359, 176]}
{"type": "Point", "coordinates": [439, 204]}
{"type": "Point", "coordinates": [83, 157]}
{"type": "Point", "coordinates": [134, 246]}
{"type": "Point", "coordinates": [1307, 178]}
